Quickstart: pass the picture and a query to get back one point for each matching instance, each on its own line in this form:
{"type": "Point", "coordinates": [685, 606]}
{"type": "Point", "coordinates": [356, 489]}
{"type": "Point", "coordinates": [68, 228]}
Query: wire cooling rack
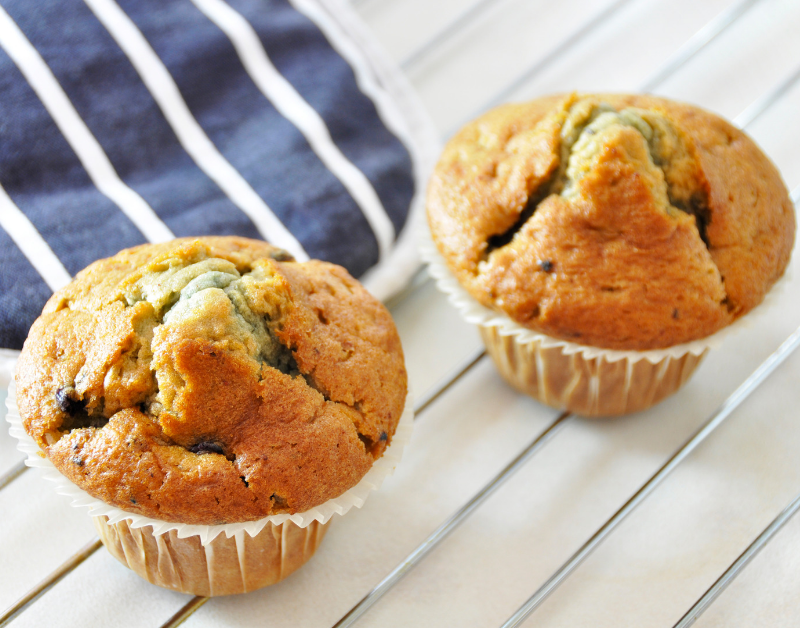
{"type": "Point", "coordinates": [506, 512]}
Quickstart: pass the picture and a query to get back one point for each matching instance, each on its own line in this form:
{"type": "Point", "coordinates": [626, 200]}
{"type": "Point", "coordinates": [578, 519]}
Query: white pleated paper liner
{"type": "Point", "coordinates": [353, 497]}
{"type": "Point", "coordinates": [478, 314]}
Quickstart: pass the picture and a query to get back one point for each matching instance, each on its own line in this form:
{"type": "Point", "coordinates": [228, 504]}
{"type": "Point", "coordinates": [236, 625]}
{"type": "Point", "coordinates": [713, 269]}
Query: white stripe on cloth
{"type": "Point", "coordinates": [194, 140]}
{"type": "Point", "coordinates": [32, 244]}
{"type": "Point", "coordinates": [77, 134]}
{"type": "Point", "coordinates": [291, 105]}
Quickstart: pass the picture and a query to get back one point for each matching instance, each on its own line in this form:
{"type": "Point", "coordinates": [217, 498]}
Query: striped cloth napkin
{"type": "Point", "coordinates": [128, 121]}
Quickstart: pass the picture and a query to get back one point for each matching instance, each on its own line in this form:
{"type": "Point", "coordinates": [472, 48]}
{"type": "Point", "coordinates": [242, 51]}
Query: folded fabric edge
{"type": "Point", "coordinates": [402, 112]}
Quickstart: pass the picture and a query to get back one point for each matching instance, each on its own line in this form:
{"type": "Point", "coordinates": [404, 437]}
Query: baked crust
{"type": "Point", "coordinates": [617, 221]}
{"type": "Point", "coordinates": [205, 381]}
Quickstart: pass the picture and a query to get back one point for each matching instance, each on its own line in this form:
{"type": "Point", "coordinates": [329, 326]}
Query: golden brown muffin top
{"type": "Point", "coordinates": [617, 221]}
{"type": "Point", "coordinates": [212, 380]}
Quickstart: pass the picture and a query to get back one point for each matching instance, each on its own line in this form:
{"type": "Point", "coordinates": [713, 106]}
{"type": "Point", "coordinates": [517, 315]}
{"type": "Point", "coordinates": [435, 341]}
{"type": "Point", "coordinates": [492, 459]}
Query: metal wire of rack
{"type": "Point", "coordinates": [671, 66]}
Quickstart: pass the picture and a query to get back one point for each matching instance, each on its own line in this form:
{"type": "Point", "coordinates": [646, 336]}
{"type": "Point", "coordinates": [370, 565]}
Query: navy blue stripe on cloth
{"type": "Point", "coordinates": [109, 96]}
{"type": "Point", "coordinates": [23, 294]}
{"type": "Point", "coordinates": [294, 44]}
{"type": "Point", "coordinates": [45, 179]}
{"type": "Point", "coordinates": [269, 152]}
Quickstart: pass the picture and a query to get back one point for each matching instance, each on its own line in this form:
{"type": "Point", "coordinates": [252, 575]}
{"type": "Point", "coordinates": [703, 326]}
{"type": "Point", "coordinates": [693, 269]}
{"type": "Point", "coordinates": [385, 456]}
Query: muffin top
{"type": "Point", "coordinates": [212, 380]}
{"type": "Point", "coordinates": [617, 221]}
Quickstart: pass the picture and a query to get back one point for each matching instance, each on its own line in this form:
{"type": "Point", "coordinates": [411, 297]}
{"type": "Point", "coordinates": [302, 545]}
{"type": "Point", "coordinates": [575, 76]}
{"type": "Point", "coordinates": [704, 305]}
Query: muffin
{"type": "Point", "coordinates": [209, 382]}
{"type": "Point", "coordinates": [613, 234]}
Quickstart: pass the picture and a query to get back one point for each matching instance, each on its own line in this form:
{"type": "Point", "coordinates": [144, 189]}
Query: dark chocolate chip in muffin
{"type": "Point", "coordinates": [68, 400]}
{"type": "Point", "coordinates": [279, 501]}
{"type": "Point", "coordinates": [207, 447]}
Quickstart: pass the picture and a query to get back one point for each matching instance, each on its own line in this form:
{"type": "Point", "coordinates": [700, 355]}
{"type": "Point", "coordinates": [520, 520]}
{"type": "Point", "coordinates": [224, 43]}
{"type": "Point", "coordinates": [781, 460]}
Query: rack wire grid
{"type": "Point", "coordinates": [503, 511]}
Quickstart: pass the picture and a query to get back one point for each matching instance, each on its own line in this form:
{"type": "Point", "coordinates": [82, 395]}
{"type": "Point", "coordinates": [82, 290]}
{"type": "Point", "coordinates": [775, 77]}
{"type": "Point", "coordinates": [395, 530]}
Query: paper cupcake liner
{"type": "Point", "coordinates": [224, 566]}
{"type": "Point", "coordinates": [478, 314]}
{"type": "Point", "coordinates": [353, 497]}
{"type": "Point", "coordinates": [590, 387]}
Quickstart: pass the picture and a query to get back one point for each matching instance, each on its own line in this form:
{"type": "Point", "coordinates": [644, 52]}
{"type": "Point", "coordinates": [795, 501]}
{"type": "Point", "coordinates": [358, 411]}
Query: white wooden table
{"type": "Point", "coordinates": [462, 55]}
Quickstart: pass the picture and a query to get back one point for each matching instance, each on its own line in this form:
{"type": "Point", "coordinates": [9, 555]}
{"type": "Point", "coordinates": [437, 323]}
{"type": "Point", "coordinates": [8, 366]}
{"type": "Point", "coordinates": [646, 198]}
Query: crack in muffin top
{"type": "Point", "coordinates": [212, 380]}
{"type": "Point", "coordinates": [622, 222]}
